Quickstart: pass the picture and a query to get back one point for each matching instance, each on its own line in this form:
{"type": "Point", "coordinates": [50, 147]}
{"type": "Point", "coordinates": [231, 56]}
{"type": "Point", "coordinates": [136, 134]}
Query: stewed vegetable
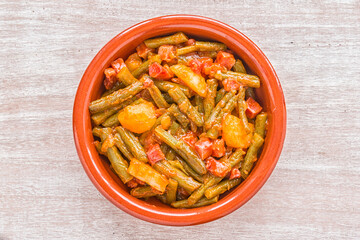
{"type": "Point", "coordinates": [179, 121]}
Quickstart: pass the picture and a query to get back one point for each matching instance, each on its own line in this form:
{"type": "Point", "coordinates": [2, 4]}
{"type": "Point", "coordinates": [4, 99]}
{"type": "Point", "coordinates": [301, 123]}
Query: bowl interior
{"type": "Point", "coordinates": [269, 96]}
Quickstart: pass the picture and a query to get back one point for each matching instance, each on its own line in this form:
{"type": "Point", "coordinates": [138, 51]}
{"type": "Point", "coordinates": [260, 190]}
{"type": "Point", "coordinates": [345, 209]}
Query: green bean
{"type": "Point", "coordinates": [178, 165]}
{"type": "Point", "coordinates": [143, 192]}
{"type": "Point", "coordinates": [250, 93]}
{"type": "Point", "coordinates": [165, 86]}
{"type": "Point", "coordinates": [186, 107]}
{"type": "Point", "coordinates": [209, 54]}
{"type": "Point", "coordinates": [239, 66]}
{"type": "Point", "coordinates": [183, 180]}
{"type": "Point", "coordinates": [171, 190]}
{"type": "Point", "coordinates": [125, 76]}
{"type": "Point", "coordinates": [119, 164]}
{"type": "Point", "coordinates": [115, 98]}
{"type": "Point", "coordinates": [242, 108]}
{"type": "Point", "coordinates": [174, 39]}
{"type": "Point", "coordinates": [164, 148]}
{"type": "Point", "coordinates": [189, 170]}
{"type": "Point", "coordinates": [97, 131]}
{"type": "Point", "coordinates": [97, 145]}
{"type": "Point", "coordinates": [122, 147]}
{"type": "Point", "coordinates": [211, 180]}
{"type": "Point", "coordinates": [199, 103]}
{"type": "Point", "coordinates": [201, 203]}
{"type": "Point", "coordinates": [214, 113]}
{"type": "Point", "coordinates": [132, 144]}
{"type": "Point", "coordinates": [180, 117]}
{"type": "Point", "coordinates": [162, 198]}
{"type": "Point", "coordinates": [183, 149]}
{"type": "Point", "coordinates": [144, 67]}
{"type": "Point", "coordinates": [221, 187]}
{"type": "Point", "coordinates": [185, 50]}
{"type": "Point", "coordinates": [116, 87]}
{"type": "Point", "coordinates": [243, 78]}
{"type": "Point", "coordinates": [260, 124]}
{"type": "Point", "coordinates": [100, 117]}
{"type": "Point", "coordinates": [167, 98]}
{"type": "Point", "coordinates": [219, 95]}
{"type": "Point", "coordinates": [251, 155]}
{"type": "Point", "coordinates": [210, 46]}
{"type": "Point", "coordinates": [174, 128]}
{"type": "Point", "coordinates": [155, 94]}
{"type": "Point", "coordinates": [170, 155]}
{"type": "Point", "coordinates": [209, 101]}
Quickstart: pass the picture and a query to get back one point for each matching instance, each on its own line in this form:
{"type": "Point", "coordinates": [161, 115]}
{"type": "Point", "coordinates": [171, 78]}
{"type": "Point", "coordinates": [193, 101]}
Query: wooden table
{"type": "Point", "coordinates": [314, 192]}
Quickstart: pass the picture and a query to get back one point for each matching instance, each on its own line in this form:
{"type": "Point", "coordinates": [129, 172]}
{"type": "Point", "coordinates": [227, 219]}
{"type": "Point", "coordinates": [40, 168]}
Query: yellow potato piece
{"type": "Point", "coordinates": [138, 118]}
{"type": "Point", "coordinates": [234, 132]}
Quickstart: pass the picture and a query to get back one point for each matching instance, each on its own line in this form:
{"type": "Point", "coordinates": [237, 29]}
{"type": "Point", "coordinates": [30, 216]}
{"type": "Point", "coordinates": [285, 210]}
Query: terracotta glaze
{"type": "Point", "coordinates": [269, 94]}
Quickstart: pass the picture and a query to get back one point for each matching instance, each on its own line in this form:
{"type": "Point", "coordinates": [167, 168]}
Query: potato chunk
{"type": "Point", "coordinates": [234, 132]}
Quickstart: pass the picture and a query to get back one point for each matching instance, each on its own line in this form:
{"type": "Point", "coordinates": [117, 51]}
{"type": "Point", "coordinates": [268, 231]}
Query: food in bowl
{"type": "Point", "coordinates": [179, 120]}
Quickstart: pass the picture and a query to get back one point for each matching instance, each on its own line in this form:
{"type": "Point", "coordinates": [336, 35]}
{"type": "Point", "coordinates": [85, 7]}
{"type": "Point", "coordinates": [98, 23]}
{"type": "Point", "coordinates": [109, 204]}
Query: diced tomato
{"type": "Point", "coordinates": [148, 82]}
{"type": "Point", "coordinates": [235, 173]}
{"type": "Point", "coordinates": [211, 69]}
{"type": "Point", "coordinates": [155, 154]}
{"type": "Point", "coordinates": [151, 139]}
{"type": "Point", "coordinates": [159, 112]}
{"type": "Point", "coordinates": [167, 52]}
{"type": "Point", "coordinates": [231, 84]}
{"type": "Point", "coordinates": [225, 59]}
{"type": "Point", "coordinates": [204, 147]}
{"type": "Point", "coordinates": [252, 108]}
{"type": "Point", "coordinates": [218, 148]}
{"type": "Point", "coordinates": [195, 65]}
{"type": "Point", "coordinates": [118, 64]}
{"type": "Point", "coordinates": [110, 78]}
{"type": "Point", "coordinates": [217, 168]}
{"type": "Point", "coordinates": [190, 42]}
{"type": "Point", "coordinates": [143, 51]}
{"type": "Point", "coordinates": [145, 94]}
{"type": "Point", "coordinates": [132, 183]}
{"type": "Point", "coordinates": [190, 138]}
{"type": "Point", "coordinates": [160, 72]}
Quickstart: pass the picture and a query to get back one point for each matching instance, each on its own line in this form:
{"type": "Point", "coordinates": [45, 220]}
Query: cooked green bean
{"type": "Point", "coordinates": [174, 39]}
{"type": "Point", "coordinates": [260, 124]}
{"type": "Point", "coordinates": [241, 110]}
{"type": "Point", "coordinates": [210, 46]}
{"type": "Point", "coordinates": [180, 117]}
{"type": "Point", "coordinates": [177, 164]}
{"type": "Point", "coordinates": [115, 98]}
{"type": "Point", "coordinates": [185, 50]}
{"type": "Point", "coordinates": [158, 97]}
{"type": "Point", "coordinates": [183, 180]}
{"type": "Point", "coordinates": [119, 164]}
{"type": "Point", "coordinates": [199, 103]}
{"type": "Point", "coordinates": [144, 67]}
{"type": "Point", "coordinates": [174, 128]}
{"type": "Point", "coordinates": [98, 148]}
{"type": "Point", "coordinates": [201, 203]}
{"type": "Point", "coordinates": [219, 95]}
{"type": "Point", "coordinates": [125, 76]}
{"type": "Point", "coordinates": [221, 187]}
{"type": "Point", "coordinates": [209, 101]}
{"type": "Point", "coordinates": [122, 147]}
{"type": "Point", "coordinates": [132, 144]}
{"type": "Point", "coordinates": [170, 155]}
{"type": "Point", "coordinates": [143, 192]}
{"type": "Point", "coordinates": [170, 192]}
{"type": "Point", "coordinates": [189, 170]}
{"type": "Point", "coordinates": [243, 78]}
{"type": "Point", "coordinates": [159, 119]}
{"type": "Point", "coordinates": [250, 93]}
{"type": "Point", "coordinates": [251, 155]}
{"type": "Point", "coordinates": [186, 107]}
{"type": "Point", "coordinates": [116, 87]}
{"type": "Point", "coordinates": [239, 66]}
{"type": "Point", "coordinates": [165, 86]}
{"type": "Point", "coordinates": [167, 98]}
{"type": "Point", "coordinates": [183, 149]}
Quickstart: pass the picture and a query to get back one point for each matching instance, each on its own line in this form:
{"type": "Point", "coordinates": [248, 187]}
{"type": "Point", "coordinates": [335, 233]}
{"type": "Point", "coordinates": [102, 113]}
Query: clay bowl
{"type": "Point", "coordinates": [90, 88]}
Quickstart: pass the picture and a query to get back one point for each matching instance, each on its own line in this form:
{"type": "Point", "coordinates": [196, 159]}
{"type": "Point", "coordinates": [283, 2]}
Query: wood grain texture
{"type": "Point", "coordinates": [314, 192]}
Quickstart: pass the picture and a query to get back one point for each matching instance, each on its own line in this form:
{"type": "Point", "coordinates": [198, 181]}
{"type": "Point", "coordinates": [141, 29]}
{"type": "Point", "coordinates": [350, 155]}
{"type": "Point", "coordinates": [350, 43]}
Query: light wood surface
{"type": "Point", "coordinates": [314, 192]}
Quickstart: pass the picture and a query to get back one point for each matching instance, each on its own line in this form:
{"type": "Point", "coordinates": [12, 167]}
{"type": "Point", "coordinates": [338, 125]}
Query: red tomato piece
{"type": "Point", "coordinates": [231, 84]}
{"type": "Point", "coordinates": [225, 59]}
{"type": "Point", "coordinates": [190, 42]}
{"type": "Point", "coordinates": [217, 168]}
{"type": "Point", "coordinates": [204, 147]}
{"type": "Point", "coordinates": [190, 138]}
{"type": "Point", "coordinates": [110, 78]}
{"type": "Point", "coordinates": [160, 72]}
{"type": "Point", "coordinates": [218, 148]}
{"type": "Point", "coordinates": [118, 64]}
{"type": "Point", "coordinates": [235, 173]}
{"type": "Point", "coordinates": [211, 69]}
{"type": "Point", "coordinates": [132, 183]}
{"type": "Point", "coordinates": [167, 52]}
{"type": "Point", "coordinates": [155, 154]}
{"type": "Point", "coordinates": [195, 65]}
{"type": "Point", "coordinates": [252, 108]}
{"type": "Point", "coordinates": [151, 139]}
{"type": "Point", "coordinates": [148, 82]}
{"type": "Point", "coordinates": [143, 51]}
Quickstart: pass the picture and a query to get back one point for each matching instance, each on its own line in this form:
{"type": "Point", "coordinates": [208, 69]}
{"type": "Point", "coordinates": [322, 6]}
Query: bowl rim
{"type": "Point", "coordinates": [141, 209]}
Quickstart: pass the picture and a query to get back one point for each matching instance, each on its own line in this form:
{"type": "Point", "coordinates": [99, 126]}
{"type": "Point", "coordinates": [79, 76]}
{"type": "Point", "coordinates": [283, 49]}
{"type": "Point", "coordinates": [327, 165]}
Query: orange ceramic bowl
{"type": "Point", "coordinates": [91, 86]}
